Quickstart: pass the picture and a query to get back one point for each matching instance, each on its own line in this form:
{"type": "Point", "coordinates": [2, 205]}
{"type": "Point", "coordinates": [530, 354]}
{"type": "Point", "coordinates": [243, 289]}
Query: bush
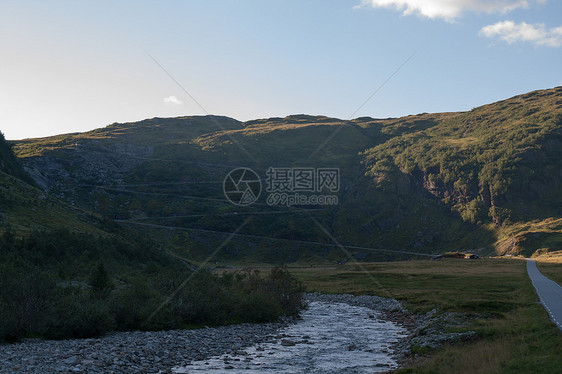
{"type": "Point", "coordinates": [245, 296]}
{"type": "Point", "coordinates": [76, 314]}
{"type": "Point", "coordinates": [100, 281]}
{"type": "Point", "coordinates": [285, 289]}
{"type": "Point", "coordinates": [25, 302]}
{"type": "Point", "coordinates": [34, 305]}
{"type": "Point", "coordinates": [257, 307]}
{"type": "Point", "coordinates": [475, 212]}
{"type": "Point", "coordinates": [133, 305]}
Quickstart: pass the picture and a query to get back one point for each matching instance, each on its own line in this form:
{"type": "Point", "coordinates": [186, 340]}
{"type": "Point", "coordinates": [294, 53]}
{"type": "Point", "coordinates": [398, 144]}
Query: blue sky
{"type": "Point", "coordinates": [71, 66]}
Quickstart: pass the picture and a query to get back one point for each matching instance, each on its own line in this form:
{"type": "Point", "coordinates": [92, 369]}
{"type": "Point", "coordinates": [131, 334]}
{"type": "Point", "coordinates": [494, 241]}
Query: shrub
{"type": "Point", "coordinates": [100, 282]}
{"type": "Point", "coordinates": [34, 305]}
{"type": "Point", "coordinates": [76, 314]}
{"type": "Point", "coordinates": [25, 302]}
{"type": "Point", "coordinates": [475, 212]}
{"type": "Point", "coordinates": [133, 305]}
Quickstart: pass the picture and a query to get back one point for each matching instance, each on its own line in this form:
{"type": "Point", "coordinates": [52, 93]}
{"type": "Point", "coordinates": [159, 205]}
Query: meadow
{"type": "Point", "coordinates": [495, 296]}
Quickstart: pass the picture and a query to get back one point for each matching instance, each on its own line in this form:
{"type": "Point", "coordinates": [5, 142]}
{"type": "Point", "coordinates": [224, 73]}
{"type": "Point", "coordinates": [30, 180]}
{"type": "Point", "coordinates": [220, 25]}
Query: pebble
{"type": "Point", "coordinates": [287, 343]}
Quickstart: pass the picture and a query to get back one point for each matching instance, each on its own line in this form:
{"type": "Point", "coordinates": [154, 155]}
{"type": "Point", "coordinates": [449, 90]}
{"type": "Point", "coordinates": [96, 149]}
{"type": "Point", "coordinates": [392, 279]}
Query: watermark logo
{"type": "Point", "coordinates": [284, 186]}
{"type": "Point", "coordinates": [242, 186]}
{"type": "Point", "coordinates": [302, 186]}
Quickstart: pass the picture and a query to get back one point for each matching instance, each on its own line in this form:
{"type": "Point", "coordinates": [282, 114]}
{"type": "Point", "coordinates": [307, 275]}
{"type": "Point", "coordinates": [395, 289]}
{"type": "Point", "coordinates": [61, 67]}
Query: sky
{"type": "Point", "coordinates": [73, 66]}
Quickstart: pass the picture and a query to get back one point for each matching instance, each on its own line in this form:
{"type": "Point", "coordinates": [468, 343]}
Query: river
{"type": "Point", "coordinates": [330, 338]}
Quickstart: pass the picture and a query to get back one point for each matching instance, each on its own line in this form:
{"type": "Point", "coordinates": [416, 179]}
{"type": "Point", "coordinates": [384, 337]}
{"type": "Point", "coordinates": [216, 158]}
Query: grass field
{"type": "Point", "coordinates": [551, 265]}
{"type": "Point", "coordinates": [514, 333]}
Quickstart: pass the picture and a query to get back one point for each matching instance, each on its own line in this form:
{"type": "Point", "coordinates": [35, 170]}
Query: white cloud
{"type": "Point", "coordinates": [447, 9]}
{"type": "Point", "coordinates": [512, 32]}
{"type": "Point", "coordinates": [172, 100]}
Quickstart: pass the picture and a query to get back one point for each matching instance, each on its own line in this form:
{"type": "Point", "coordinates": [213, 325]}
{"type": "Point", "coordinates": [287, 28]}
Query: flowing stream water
{"type": "Point", "coordinates": [330, 338]}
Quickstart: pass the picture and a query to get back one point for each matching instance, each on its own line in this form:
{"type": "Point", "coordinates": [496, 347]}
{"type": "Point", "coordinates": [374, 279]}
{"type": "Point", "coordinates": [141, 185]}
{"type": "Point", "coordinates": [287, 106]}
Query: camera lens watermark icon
{"type": "Point", "coordinates": [242, 186]}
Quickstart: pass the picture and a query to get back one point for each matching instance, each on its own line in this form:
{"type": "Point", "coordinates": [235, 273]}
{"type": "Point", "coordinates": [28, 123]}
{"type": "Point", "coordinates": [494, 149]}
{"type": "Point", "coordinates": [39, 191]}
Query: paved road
{"type": "Point", "coordinates": [550, 293]}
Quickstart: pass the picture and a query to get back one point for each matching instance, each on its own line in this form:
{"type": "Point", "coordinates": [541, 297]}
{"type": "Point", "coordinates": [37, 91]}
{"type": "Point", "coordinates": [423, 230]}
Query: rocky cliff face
{"type": "Point", "coordinates": [88, 162]}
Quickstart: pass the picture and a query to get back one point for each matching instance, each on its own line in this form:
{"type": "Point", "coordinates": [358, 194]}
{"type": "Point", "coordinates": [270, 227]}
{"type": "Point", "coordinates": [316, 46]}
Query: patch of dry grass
{"type": "Point", "coordinates": [551, 265]}
{"type": "Point", "coordinates": [477, 358]}
{"type": "Point", "coordinates": [550, 257]}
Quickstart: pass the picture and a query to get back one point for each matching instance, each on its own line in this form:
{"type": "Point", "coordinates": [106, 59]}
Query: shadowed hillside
{"type": "Point", "coordinates": [68, 272]}
{"type": "Point", "coordinates": [487, 180]}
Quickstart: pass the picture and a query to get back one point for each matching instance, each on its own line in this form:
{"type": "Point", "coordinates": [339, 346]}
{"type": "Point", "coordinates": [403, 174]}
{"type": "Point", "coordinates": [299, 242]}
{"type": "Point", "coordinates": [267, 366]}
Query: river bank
{"type": "Point", "coordinates": [162, 351]}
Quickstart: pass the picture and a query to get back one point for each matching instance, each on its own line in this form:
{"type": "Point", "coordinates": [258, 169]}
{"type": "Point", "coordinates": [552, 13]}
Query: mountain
{"type": "Point", "coordinates": [69, 272]}
{"type": "Point", "coordinates": [24, 207]}
{"type": "Point", "coordinates": [50, 249]}
{"type": "Point", "coordinates": [498, 166]}
{"type": "Point", "coordinates": [485, 181]}
{"type": "Point", "coordinates": [40, 232]}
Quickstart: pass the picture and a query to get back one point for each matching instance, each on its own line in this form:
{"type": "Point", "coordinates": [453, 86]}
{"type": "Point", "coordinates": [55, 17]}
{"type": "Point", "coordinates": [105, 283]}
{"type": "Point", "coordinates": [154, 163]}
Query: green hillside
{"type": "Point", "coordinates": [498, 166]}
{"type": "Point", "coordinates": [69, 272]}
{"type": "Point", "coordinates": [24, 207]}
{"type": "Point", "coordinates": [50, 251]}
{"type": "Point", "coordinates": [9, 164]}
{"type": "Point", "coordinates": [169, 172]}
{"type": "Point", "coordinates": [486, 181]}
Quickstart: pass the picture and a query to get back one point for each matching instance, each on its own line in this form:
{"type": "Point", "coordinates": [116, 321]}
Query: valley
{"type": "Point", "coordinates": [137, 226]}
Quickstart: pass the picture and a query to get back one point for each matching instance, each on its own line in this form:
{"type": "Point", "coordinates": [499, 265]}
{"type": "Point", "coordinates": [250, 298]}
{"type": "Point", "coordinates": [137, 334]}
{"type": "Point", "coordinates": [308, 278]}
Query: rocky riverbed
{"type": "Point", "coordinates": [164, 351]}
{"type": "Point", "coordinates": [131, 352]}
{"type": "Point", "coordinates": [330, 337]}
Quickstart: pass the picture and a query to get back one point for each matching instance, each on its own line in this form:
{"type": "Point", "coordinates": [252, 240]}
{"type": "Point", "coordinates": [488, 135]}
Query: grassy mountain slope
{"type": "Point", "coordinates": [168, 172]}
{"type": "Point", "coordinates": [41, 232]}
{"type": "Point", "coordinates": [485, 180]}
{"type": "Point", "coordinates": [67, 272]}
{"type": "Point", "coordinates": [497, 165]}
{"type": "Point", "coordinates": [25, 207]}
{"type": "Point", "coordinates": [9, 164]}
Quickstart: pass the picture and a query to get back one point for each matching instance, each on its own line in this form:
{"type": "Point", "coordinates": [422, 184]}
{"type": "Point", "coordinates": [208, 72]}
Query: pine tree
{"type": "Point", "coordinates": [100, 281]}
